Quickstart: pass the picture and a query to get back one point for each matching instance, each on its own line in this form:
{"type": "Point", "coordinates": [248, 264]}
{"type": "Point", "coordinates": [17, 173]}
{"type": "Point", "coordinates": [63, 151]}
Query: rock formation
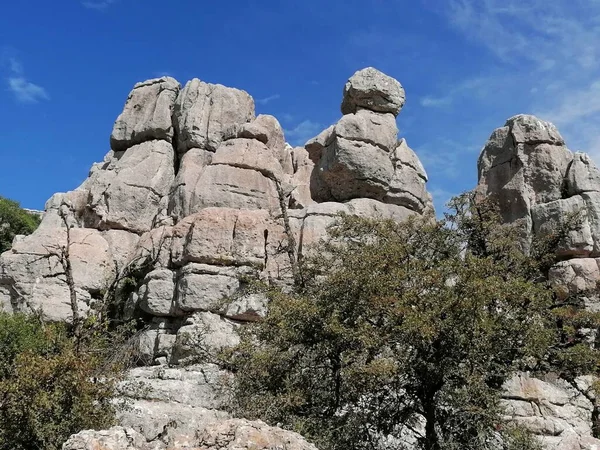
{"type": "Point", "coordinates": [196, 196]}
{"type": "Point", "coordinates": [194, 189]}
{"type": "Point", "coordinates": [539, 183]}
{"type": "Point", "coordinates": [233, 434]}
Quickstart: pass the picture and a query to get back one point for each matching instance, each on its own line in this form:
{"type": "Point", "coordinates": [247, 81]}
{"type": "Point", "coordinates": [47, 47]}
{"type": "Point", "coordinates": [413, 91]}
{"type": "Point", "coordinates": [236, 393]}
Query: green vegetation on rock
{"type": "Point", "coordinates": [405, 331]}
{"type": "Point", "coordinates": [52, 386]}
{"type": "Point", "coordinates": [13, 221]}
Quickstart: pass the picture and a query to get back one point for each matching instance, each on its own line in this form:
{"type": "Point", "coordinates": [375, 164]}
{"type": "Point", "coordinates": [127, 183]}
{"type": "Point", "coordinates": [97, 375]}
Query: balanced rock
{"type": "Point", "coordinates": [371, 89]}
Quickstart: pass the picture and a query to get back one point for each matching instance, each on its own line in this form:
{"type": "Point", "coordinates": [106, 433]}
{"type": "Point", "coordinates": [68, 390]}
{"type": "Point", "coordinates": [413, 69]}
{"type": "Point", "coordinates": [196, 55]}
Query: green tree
{"type": "Point", "coordinates": [403, 330]}
{"type": "Point", "coordinates": [13, 221]}
{"type": "Point", "coordinates": [52, 386]}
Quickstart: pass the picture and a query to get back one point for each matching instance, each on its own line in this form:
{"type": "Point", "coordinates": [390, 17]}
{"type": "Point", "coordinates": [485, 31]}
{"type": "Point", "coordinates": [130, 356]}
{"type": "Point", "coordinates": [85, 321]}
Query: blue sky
{"type": "Point", "coordinates": [67, 66]}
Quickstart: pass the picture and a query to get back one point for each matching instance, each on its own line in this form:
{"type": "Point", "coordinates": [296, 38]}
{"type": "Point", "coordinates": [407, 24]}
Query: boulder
{"type": "Point", "coordinates": [130, 196]}
{"type": "Point", "coordinates": [583, 175]}
{"type": "Point", "coordinates": [370, 127]}
{"type": "Point", "coordinates": [203, 112]}
{"type": "Point", "coordinates": [548, 217]}
{"type": "Point", "coordinates": [147, 114]}
{"type": "Point", "coordinates": [373, 90]}
{"type": "Point", "coordinates": [353, 169]}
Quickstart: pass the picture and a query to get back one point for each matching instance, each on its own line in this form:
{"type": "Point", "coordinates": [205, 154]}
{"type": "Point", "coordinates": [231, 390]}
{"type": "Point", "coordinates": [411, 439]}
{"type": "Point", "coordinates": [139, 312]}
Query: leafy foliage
{"type": "Point", "coordinates": [50, 387]}
{"type": "Point", "coordinates": [407, 330]}
{"type": "Point", "coordinates": [13, 221]}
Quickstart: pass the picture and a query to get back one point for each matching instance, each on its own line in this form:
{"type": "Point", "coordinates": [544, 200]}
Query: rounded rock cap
{"type": "Point", "coordinates": [371, 89]}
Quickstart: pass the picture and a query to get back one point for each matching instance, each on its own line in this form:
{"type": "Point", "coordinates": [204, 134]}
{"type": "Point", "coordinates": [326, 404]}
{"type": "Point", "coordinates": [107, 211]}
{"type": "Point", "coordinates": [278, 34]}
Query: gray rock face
{"type": "Point", "coordinates": [191, 196]}
{"type": "Point", "coordinates": [523, 164]}
{"type": "Point", "coordinates": [147, 114]}
{"type": "Point", "coordinates": [231, 434]}
{"type": "Point", "coordinates": [558, 413]}
{"type": "Point", "coordinates": [371, 89]}
{"type": "Point", "coordinates": [539, 184]}
{"type": "Point", "coordinates": [132, 194]}
{"type": "Point", "coordinates": [203, 113]}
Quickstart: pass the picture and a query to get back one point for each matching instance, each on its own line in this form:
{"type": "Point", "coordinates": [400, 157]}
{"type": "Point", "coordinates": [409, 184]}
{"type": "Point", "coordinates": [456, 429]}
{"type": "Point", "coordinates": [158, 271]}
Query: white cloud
{"type": "Point", "coordinates": [25, 91]}
{"type": "Point", "coordinates": [15, 66]}
{"type": "Point", "coordinates": [98, 5]}
{"type": "Point", "coordinates": [302, 132]}
{"type": "Point", "coordinates": [548, 58]}
{"type": "Point", "coordinates": [270, 98]}
{"type": "Point", "coordinates": [478, 87]}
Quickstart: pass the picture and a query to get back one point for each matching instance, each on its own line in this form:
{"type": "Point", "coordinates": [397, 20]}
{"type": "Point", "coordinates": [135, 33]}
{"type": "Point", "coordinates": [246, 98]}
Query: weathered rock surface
{"type": "Point", "coordinates": [232, 434]}
{"type": "Point", "coordinates": [188, 206]}
{"type": "Point", "coordinates": [371, 89]}
{"type": "Point", "coordinates": [540, 186]}
{"type": "Point", "coordinates": [204, 111]}
{"type": "Point", "coordinates": [147, 114]}
{"type": "Point", "coordinates": [558, 413]}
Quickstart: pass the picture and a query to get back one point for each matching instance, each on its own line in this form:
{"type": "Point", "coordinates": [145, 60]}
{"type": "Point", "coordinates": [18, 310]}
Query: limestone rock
{"type": "Point", "coordinates": [249, 154]}
{"type": "Point", "coordinates": [264, 128]}
{"type": "Point", "coordinates": [241, 434]}
{"type": "Point", "coordinates": [222, 236]}
{"type": "Point", "coordinates": [158, 292]}
{"type": "Point", "coordinates": [115, 438]}
{"type": "Point", "coordinates": [183, 199]}
{"type": "Point", "coordinates": [131, 196]}
{"type": "Point", "coordinates": [373, 128]}
{"type": "Point", "coordinates": [583, 175]}
{"type": "Point", "coordinates": [575, 276]}
{"type": "Point", "coordinates": [315, 146]}
{"type": "Point", "coordinates": [549, 216]}
{"type": "Point", "coordinates": [32, 270]}
{"type": "Point", "coordinates": [147, 114]}
{"type": "Point", "coordinates": [201, 287]}
{"type": "Point", "coordinates": [371, 89]}
{"type": "Point", "coordinates": [221, 185]}
{"type": "Point", "coordinates": [558, 413]}
{"type": "Point", "coordinates": [353, 169]}
{"type": "Point", "coordinates": [203, 112]}
{"type": "Point", "coordinates": [523, 164]}
{"type": "Point", "coordinates": [203, 336]}
{"type": "Point", "coordinates": [528, 129]}
{"type": "Point", "coordinates": [215, 434]}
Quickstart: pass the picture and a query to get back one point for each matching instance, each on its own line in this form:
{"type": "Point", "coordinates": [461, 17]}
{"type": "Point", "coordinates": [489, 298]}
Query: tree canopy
{"type": "Point", "coordinates": [404, 333]}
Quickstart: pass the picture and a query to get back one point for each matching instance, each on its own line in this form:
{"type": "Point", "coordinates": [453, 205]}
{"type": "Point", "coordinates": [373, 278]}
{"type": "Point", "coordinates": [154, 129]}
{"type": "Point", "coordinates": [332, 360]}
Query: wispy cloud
{"type": "Point", "coordinates": [24, 90]}
{"type": "Point", "coordinates": [98, 5]}
{"type": "Point", "coordinates": [478, 87]}
{"type": "Point", "coordinates": [302, 132]}
{"type": "Point", "coordinates": [269, 99]}
{"type": "Point", "coordinates": [548, 58]}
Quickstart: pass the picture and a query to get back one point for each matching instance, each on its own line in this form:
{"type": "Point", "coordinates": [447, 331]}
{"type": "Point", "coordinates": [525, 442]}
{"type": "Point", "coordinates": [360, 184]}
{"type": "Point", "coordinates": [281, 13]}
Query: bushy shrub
{"type": "Point", "coordinates": [50, 388]}
{"type": "Point", "coordinates": [13, 221]}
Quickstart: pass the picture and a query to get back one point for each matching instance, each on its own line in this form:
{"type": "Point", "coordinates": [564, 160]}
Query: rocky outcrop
{"type": "Point", "coordinates": [191, 196]}
{"type": "Point", "coordinates": [233, 434]}
{"type": "Point", "coordinates": [539, 184]}
{"type": "Point", "coordinates": [557, 412]}
{"type": "Point", "coordinates": [360, 156]}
